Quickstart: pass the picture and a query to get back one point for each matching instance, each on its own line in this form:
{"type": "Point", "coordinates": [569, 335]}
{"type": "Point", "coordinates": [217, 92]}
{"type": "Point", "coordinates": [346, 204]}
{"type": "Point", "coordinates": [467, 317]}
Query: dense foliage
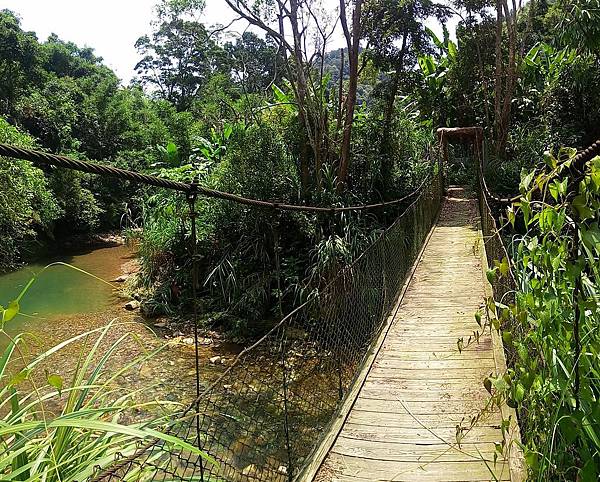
{"type": "Point", "coordinates": [282, 117]}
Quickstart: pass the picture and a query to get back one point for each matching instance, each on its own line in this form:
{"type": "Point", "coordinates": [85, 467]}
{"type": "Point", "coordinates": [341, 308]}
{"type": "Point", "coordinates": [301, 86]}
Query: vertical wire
{"type": "Point", "coordinates": [577, 291]}
{"type": "Point", "coordinates": [286, 425]}
{"type": "Point", "coordinates": [192, 196]}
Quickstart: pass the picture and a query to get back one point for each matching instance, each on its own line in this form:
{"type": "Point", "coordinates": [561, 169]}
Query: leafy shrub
{"type": "Point", "coordinates": [554, 380]}
{"type": "Point", "coordinates": [27, 206]}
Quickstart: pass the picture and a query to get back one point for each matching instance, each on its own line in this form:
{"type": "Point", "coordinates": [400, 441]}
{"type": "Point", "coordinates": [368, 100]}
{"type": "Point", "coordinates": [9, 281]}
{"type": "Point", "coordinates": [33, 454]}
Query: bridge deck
{"type": "Point", "coordinates": [403, 424]}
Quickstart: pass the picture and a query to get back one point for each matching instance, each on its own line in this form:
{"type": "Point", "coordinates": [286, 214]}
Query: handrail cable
{"type": "Point", "coordinates": [94, 168]}
{"type": "Point", "coordinates": [577, 165]}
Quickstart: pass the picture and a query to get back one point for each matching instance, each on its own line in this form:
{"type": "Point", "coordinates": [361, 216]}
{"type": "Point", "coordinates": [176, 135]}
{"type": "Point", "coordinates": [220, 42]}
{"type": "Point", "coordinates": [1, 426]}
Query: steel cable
{"type": "Point", "coordinates": [102, 170]}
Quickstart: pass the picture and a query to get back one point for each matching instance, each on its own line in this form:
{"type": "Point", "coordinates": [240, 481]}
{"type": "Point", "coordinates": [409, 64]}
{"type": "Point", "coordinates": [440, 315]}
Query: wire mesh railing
{"type": "Point", "coordinates": [504, 285]}
{"type": "Point", "coordinates": [265, 415]}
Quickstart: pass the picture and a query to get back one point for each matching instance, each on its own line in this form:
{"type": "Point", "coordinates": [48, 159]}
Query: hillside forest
{"type": "Point", "coordinates": [277, 113]}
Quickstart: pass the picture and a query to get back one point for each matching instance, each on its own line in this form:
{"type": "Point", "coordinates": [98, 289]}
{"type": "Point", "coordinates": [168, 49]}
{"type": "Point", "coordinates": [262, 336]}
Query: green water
{"type": "Point", "coordinates": [61, 291]}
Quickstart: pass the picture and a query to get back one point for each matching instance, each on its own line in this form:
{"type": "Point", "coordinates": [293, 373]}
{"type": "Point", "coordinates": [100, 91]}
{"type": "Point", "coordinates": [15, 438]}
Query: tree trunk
{"type": "Point", "coordinates": [506, 77]}
{"type": "Point", "coordinates": [353, 42]}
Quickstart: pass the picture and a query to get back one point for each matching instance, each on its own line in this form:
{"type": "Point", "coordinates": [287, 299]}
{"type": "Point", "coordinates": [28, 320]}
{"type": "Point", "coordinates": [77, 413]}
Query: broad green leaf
{"type": "Point", "coordinates": [580, 204]}
{"type": "Point", "coordinates": [10, 312]}
{"type": "Point", "coordinates": [452, 49]}
{"type": "Point", "coordinates": [171, 148]}
{"type": "Point", "coordinates": [532, 459]}
{"type": "Point", "coordinates": [519, 393]}
{"type": "Point", "coordinates": [595, 172]}
{"type": "Point", "coordinates": [279, 94]}
{"type": "Point", "coordinates": [511, 216]}
{"type": "Point", "coordinates": [56, 381]}
{"type": "Point", "coordinates": [487, 383]}
{"type": "Point", "coordinates": [591, 237]}
{"type": "Point", "coordinates": [589, 472]}
{"type": "Point", "coordinates": [434, 38]}
{"type": "Point", "coordinates": [19, 377]}
{"type": "Point", "coordinates": [526, 178]}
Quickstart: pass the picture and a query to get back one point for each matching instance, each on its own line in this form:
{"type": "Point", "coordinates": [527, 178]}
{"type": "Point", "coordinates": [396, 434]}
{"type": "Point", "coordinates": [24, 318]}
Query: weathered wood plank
{"type": "Point", "coordinates": [437, 420]}
{"type": "Point", "coordinates": [437, 452]}
{"type": "Point", "coordinates": [422, 471]}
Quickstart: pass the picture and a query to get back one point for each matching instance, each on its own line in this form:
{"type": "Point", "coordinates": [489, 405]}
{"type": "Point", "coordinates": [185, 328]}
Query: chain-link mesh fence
{"type": "Point", "coordinates": [265, 415]}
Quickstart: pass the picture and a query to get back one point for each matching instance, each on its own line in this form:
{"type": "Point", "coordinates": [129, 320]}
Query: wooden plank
{"type": "Point", "coordinates": [437, 420]}
{"type": "Point", "coordinates": [423, 385]}
{"type": "Point", "coordinates": [419, 407]}
{"type": "Point", "coordinates": [455, 364]}
{"type": "Point", "coordinates": [404, 471]}
{"type": "Point", "coordinates": [419, 435]}
{"type": "Point", "coordinates": [437, 452]}
{"type": "Point", "coordinates": [398, 352]}
{"type": "Point", "coordinates": [441, 395]}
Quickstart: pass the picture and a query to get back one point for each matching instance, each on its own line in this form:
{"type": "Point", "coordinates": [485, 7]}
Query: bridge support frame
{"type": "Point", "coordinates": [472, 135]}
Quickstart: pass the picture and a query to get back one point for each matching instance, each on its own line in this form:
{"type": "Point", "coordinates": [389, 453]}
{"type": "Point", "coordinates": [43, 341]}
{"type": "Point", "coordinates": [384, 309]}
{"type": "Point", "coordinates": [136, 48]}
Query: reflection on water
{"type": "Point", "coordinates": [60, 291]}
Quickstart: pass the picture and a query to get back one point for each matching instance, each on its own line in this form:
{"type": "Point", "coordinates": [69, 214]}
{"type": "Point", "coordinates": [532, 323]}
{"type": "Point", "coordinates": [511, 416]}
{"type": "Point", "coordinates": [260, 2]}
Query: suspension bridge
{"type": "Point", "coordinates": [378, 376]}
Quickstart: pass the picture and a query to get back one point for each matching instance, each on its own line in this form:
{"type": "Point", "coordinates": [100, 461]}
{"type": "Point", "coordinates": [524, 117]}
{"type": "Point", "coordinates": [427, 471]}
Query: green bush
{"type": "Point", "coordinates": [27, 206]}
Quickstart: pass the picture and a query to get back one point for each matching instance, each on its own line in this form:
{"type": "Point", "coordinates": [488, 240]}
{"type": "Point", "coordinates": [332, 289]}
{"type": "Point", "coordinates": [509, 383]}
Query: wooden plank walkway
{"type": "Point", "coordinates": [420, 392]}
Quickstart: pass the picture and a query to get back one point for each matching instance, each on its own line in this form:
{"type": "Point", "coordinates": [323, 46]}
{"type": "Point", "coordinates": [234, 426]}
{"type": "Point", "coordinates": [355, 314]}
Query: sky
{"type": "Point", "coordinates": [111, 27]}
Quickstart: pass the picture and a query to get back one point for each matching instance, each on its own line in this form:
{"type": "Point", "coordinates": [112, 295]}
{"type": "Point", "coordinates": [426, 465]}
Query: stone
{"type": "Point", "coordinates": [282, 469]}
{"type": "Point", "coordinates": [121, 279]}
{"type": "Point", "coordinates": [215, 359]}
{"type": "Point", "coordinates": [132, 305]}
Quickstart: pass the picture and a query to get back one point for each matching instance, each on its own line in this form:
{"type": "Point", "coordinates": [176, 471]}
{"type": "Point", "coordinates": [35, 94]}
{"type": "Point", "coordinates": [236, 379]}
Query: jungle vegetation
{"type": "Point", "coordinates": [277, 114]}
